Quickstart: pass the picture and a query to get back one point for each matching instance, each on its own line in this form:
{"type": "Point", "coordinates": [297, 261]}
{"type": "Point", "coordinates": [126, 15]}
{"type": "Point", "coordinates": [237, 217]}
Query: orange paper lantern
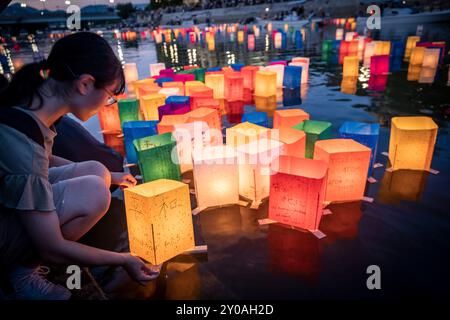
{"type": "Point", "coordinates": [234, 86]}
{"type": "Point", "coordinates": [217, 83]}
{"type": "Point", "coordinates": [294, 141]}
{"type": "Point", "coordinates": [168, 122]}
{"type": "Point", "coordinates": [288, 117]}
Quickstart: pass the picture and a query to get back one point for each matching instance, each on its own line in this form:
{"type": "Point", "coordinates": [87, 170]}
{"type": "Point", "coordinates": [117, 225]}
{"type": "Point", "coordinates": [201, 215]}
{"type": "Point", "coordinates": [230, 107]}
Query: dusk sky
{"type": "Point", "coordinates": [53, 4]}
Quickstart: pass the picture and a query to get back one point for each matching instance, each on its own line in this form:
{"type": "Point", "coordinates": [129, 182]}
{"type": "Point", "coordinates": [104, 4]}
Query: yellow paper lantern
{"type": "Point", "coordinates": [171, 91]}
{"type": "Point", "coordinates": [413, 72]}
{"type": "Point", "coordinates": [431, 58]}
{"type": "Point", "coordinates": [149, 105]}
{"type": "Point", "coordinates": [279, 70]}
{"type": "Point", "coordinates": [142, 85]}
{"type": "Point", "coordinates": [155, 68]}
{"type": "Point", "coordinates": [410, 44]}
{"type": "Point", "coordinates": [411, 144]}
{"type": "Point", "coordinates": [190, 84]}
{"type": "Point", "coordinates": [348, 165]}
{"type": "Point", "coordinates": [369, 52]}
{"type": "Point", "coordinates": [348, 85]}
{"type": "Point", "coordinates": [265, 83]}
{"type": "Point", "coordinates": [351, 66]}
{"type": "Point", "coordinates": [216, 82]}
{"type": "Point", "coordinates": [417, 55]}
{"type": "Point", "coordinates": [289, 117]}
{"type": "Point", "coordinates": [216, 176]}
{"type": "Point", "coordinates": [382, 48]}
{"type": "Point", "coordinates": [159, 220]}
{"type": "Point", "coordinates": [255, 167]}
{"type": "Point", "coordinates": [350, 35]}
{"type": "Point", "coordinates": [240, 36]}
{"type": "Point", "coordinates": [131, 74]}
{"type": "Point", "coordinates": [245, 133]}
{"type": "Point", "coordinates": [175, 84]}
{"type": "Point", "coordinates": [427, 75]}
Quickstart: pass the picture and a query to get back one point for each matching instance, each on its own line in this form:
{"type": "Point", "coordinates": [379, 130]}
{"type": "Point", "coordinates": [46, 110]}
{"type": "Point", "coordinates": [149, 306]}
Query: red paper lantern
{"type": "Point", "coordinates": [234, 86]}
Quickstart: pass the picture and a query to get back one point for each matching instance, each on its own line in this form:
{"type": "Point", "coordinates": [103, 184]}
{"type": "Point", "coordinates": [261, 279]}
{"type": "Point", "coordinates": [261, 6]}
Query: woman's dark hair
{"type": "Point", "coordinates": [76, 54]}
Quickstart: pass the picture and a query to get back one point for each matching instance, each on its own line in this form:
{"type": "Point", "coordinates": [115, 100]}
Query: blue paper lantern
{"type": "Point", "coordinates": [336, 45]}
{"type": "Point", "coordinates": [177, 102]}
{"type": "Point", "coordinates": [292, 77]}
{"type": "Point", "coordinates": [291, 97]}
{"type": "Point", "coordinates": [214, 69]}
{"type": "Point", "coordinates": [298, 39]}
{"type": "Point", "coordinates": [134, 130]}
{"type": "Point", "coordinates": [160, 81]}
{"type": "Point", "coordinates": [259, 118]}
{"type": "Point", "coordinates": [398, 49]}
{"type": "Point", "coordinates": [364, 133]}
{"type": "Point", "coordinates": [237, 66]}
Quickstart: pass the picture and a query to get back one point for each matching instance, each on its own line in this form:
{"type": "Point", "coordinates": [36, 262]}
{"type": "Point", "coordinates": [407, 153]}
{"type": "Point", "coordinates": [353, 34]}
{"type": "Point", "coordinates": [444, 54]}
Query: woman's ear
{"type": "Point", "coordinates": [84, 84]}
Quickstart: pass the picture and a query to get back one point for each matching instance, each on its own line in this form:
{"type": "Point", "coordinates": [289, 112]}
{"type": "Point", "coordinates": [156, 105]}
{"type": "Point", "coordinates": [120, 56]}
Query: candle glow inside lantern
{"type": "Point", "coordinates": [294, 141]}
{"type": "Point", "coordinates": [216, 176]}
{"type": "Point", "coordinates": [348, 166]}
{"type": "Point", "coordinates": [109, 119]}
{"type": "Point", "coordinates": [279, 70]}
{"type": "Point", "coordinates": [297, 192]}
{"type": "Point", "coordinates": [114, 140]}
{"type": "Point", "coordinates": [135, 130]}
{"type": "Point", "coordinates": [256, 160]}
{"type": "Point", "coordinates": [265, 83]}
{"type": "Point", "coordinates": [217, 83]}
{"type": "Point", "coordinates": [278, 40]}
{"type": "Point", "coordinates": [351, 66]}
{"type": "Point", "coordinates": [417, 54]}
{"type": "Point", "coordinates": [288, 117]}
{"type": "Point", "coordinates": [174, 84]}
{"type": "Point", "coordinates": [259, 118]}
{"type": "Point", "coordinates": [292, 77]}
{"type": "Point", "coordinates": [159, 220]}
{"type": "Point", "coordinates": [128, 110]}
{"type": "Point", "coordinates": [339, 34]}
{"type": "Point", "coordinates": [364, 133]}
{"type": "Point", "coordinates": [234, 86]}
{"type": "Point", "coordinates": [379, 65]}
{"type": "Point", "coordinates": [410, 44]}
{"type": "Point", "coordinates": [157, 157]}
{"type": "Point", "coordinates": [245, 133]}
{"type": "Point", "coordinates": [155, 68]}
{"type": "Point", "coordinates": [149, 105]}
{"type": "Point", "coordinates": [412, 141]}
{"type": "Point", "coordinates": [314, 130]}
{"type": "Point", "coordinates": [171, 91]}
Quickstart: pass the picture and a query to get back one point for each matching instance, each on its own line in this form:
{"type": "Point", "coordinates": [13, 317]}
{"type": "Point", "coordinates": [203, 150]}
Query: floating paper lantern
{"type": "Point", "coordinates": [294, 141]}
{"type": "Point", "coordinates": [417, 55]}
{"type": "Point", "coordinates": [207, 103]}
{"type": "Point", "coordinates": [427, 75]}
{"type": "Point", "coordinates": [292, 77]}
{"type": "Point", "coordinates": [166, 73]}
{"type": "Point", "coordinates": [368, 53]}
{"type": "Point", "coordinates": [249, 75]}
{"type": "Point", "coordinates": [131, 74]}
{"type": "Point", "coordinates": [149, 105]}
{"type": "Point", "coordinates": [278, 40]}
{"type": "Point", "coordinates": [128, 110]}
{"type": "Point", "coordinates": [155, 68]}
{"type": "Point", "coordinates": [339, 34]}
{"type": "Point", "coordinates": [210, 116]}
{"type": "Point", "coordinates": [297, 191]}
{"type": "Point", "coordinates": [351, 66]}
{"type": "Point", "coordinates": [350, 35]}
{"type": "Point", "coordinates": [237, 66]}
{"type": "Point", "coordinates": [141, 86]}
{"type": "Point", "coordinates": [240, 36]}
{"type": "Point", "coordinates": [157, 157]}
{"type": "Point", "coordinates": [304, 63]}
{"type": "Point", "coordinates": [413, 72]}
{"type": "Point", "coordinates": [411, 144]}
{"type": "Point", "coordinates": [174, 84]}
{"type": "Point", "coordinates": [234, 86]}
{"type": "Point", "coordinates": [364, 133]}
{"type": "Point", "coordinates": [168, 122]}
{"type": "Point", "coordinates": [134, 130]}
{"type": "Point", "coordinates": [245, 133]}
{"type": "Point", "coordinates": [114, 140]}
{"type": "Point", "coordinates": [256, 160]}
{"type": "Point", "coordinates": [198, 93]}
{"type": "Point", "coordinates": [109, 119]}
{"type": "Point", "coordinates": [258, 118]}
{"type": "Point", "coordinates": [279, 70]}
{"type": "Point", "coordinates": [251, 42]}
{"type": "Point", "coordinates": [431, 58]}
{"type": "Point", "coordinates": [159, 220]}
{"type": "Point", "coordinates": [170, 91]}
{"type": "Point", "coordinates": [314, 130]}
{"type": "Point", "coordinates": [265, 83]}
{"type": "Point", "coordinates": [217, 83]}
{"type": "Point", "coordinates": [289, 117]}
{"type": "Point", "coordinates": [147, 90]}
{"type": "Point", "coordinates": [348, 85]}
{"type": "Point", "coordinates": [189, 84]}
{"type": "Point", "coordinates": [160, 80]}
{"type": "Point", "coordinates": [382, 48]}
{"type": "Point", "coordinates": [410, 44]}
{"type": "Point", "coordinates": [379, 65]}
{"type": "Point", "coordinates": [216, 176]}
{"type": "Point", "coordinates": [348, 165]}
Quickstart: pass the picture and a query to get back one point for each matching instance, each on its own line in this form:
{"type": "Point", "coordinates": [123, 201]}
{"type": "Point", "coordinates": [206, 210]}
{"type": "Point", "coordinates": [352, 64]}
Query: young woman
{"type": "Point", "coordinates": [47, 203]}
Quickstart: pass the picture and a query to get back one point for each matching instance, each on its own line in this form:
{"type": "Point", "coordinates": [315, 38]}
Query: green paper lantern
{"type": "Point", "coordinates": [314, 130]}
{"type": "Point", "coordinates": [128, 110]}
{"type": "Point", "coordinates": [154, 155]}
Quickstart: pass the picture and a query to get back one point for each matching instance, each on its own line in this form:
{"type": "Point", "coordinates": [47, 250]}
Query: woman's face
{"type": "Point", "coordinates": [89, 98]}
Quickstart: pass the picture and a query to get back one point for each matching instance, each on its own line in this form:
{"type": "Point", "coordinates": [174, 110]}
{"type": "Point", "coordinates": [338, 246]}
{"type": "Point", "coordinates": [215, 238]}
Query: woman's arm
{"type": "Point", "coordinates": [55, 161]}
{"type": "Point", "coordinates": [45, 232]}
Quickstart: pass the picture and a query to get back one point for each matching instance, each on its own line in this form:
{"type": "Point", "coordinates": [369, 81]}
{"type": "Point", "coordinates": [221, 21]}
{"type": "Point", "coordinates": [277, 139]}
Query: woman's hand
{"type": "Point", "coordinates": [139, 271]}
{"type": "Point", "coordinates": [123, 179]}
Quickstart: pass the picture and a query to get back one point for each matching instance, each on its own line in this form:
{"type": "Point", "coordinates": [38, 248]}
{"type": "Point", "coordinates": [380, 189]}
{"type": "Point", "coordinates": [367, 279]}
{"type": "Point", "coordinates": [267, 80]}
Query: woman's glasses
{"type": "Point", "coordinates": [111, 98]}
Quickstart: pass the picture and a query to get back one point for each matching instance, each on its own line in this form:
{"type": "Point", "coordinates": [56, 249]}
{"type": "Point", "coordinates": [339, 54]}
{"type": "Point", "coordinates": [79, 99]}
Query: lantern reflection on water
{"type": "Point", "coordinates": [351, 66]}
{"type": "Point", "coordinates": [402, 185]}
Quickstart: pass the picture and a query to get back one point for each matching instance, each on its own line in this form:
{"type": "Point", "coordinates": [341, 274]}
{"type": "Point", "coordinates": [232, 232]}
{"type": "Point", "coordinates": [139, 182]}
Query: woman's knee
{"type": "Point", "coordinates": [97, 194]}
{"type": "Point", "coordinates": [96, 168]}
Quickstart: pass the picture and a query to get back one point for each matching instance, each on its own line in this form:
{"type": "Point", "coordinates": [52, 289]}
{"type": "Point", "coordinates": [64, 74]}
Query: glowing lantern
{"type": "Point", "coordinates": [265, 84]}
{"type": "Point", "coordinates": [258, 118]}
{"type": "Point", "coordinates": [314, 130]}
{"type": "Point", "coordinates": [279, 70]}
{"type": "Point", "coordinates": [174, 105]}
{"type": "Point", "coordinates": [339, 34]}
{"type": "Point", "coordinates": [155, 68]}
{"type": "Point", "coordinates": [368, 53]}
{"type": "Point", "coordinates": [131, 74]}
{"type": "Point", "coordinates": [411, 144]}
{"type": "Point", "coordinates": [240, 36]}
{"type": "Point", "coordinates": [278, 40]}
{"type": "Point", "coordinates": [351, 66]}
{"type": "Point", "coordinates": [170, 91]}
{"type": "Point", "coordinates": [377, 82]}
{"type": "Point", "coordinates": [364, 133]}
{"type": "Point", "coordinates": [249, 75]}
{"type": "Point", "coordinates": [217, 83]}
{"type": "Point", "coordinates": [297, 191]}
{"type": "Point", "coordinates": [159, 220]}
{"type": "Point", "coordinates": [350, 35]}
{"type": "Point", "coordinates": [189, 84]}
{"type": "Point", "coordinates": [304, 63]}
{"type": "Point", "coordinates": [410, 44]}
{"type": "Point", "coordinates": [245, 133]}
{"type": "Point", "coordinates": [289, 117]}
{"type": "Point", "coordinates": [431, 58]}
{"type": "Point", "coordinates": [427, 75]}
{"type": "Point", "coordinates": [417, 55]}
{"type": "Point", "coordinates": [207, 103]}
{"type": "Point", "coordinates": [157, 157]}
{"type": "Point", "coordinates": [166, 73]}
{"type": "Point", "coordinates": [149, 105]}
{"type": "Point", "coordinates": [210, 116]}
{"type": "Point", "coordinates": [168, 122]}
{"type": "Point", "coordinates": [147, 90]}
{"type": "Point", "coordinates": [294, 141]}
{"type": "Point", "coordinates": [413, 72]}
{"type": "Point", "coordinates": [216, 176]}
{"type": "Point", "coordinates": [255, 164]}
{"type": "Point", "coordinates": [379, 65]}
{"type": "Point", "coordinates": [211, 44]}
{"type": "Point", "coordinates": [269, 27]}
{"type": "Point", "coordinates": [234, 86]}
{"type": "Point", "coordinates": [382, 48]}
{"type": "Point", "coordinates": [114, 140]}
{"type": "Point", "coordinates": [198, 93]}
{"type": "Point", "coordinates": [348, 85]}
{"type": "Point", "coordinates": [234, 110]}
{"type": "Point", "coordinates": [251, 42]}
{"type": "Point", "coordinates": [141, 85]}
{"type": "Point", "coordinates": [109, 119]}
{"type": "Point", "coordinates": [348, 165]}
{"type": "Point", "coordinates": [174, 84]}
{"type": "Point", "coordinates": [128, 110]}
{"type": "Point", "coordinates": [292, 77]}
{"type": "Point", "coordinates": [134, 130]}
